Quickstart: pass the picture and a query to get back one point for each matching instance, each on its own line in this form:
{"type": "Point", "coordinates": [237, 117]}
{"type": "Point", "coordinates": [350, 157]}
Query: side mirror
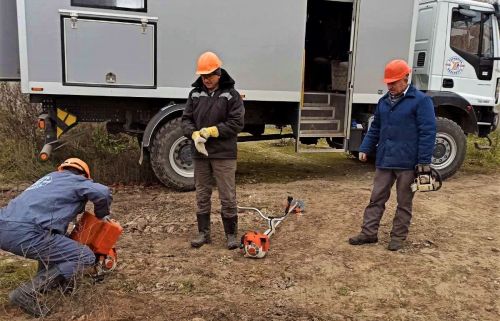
{"type": "Point", "coordinates": [468, 13]}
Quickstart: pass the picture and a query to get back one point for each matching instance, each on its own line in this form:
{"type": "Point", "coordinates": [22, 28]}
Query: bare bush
{"type": "Point", "coordinates": [17, 115]}
{"type": "Point", "coordinates": [20, 140]}
{"type": "Point", "coordinates": [112, 158]}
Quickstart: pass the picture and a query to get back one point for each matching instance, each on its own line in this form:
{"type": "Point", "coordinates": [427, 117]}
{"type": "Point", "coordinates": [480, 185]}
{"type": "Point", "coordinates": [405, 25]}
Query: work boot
{"type": "Point", "coordinates": [231, 229]}
{"type": "Point", "coordinates": [361, 239]}
{"type": "Point", "coordinates": [395, 245]}
{"type": "Point", "coordinates": [203, 231]}
{"type": "Point", "coordinates": [28, 297]}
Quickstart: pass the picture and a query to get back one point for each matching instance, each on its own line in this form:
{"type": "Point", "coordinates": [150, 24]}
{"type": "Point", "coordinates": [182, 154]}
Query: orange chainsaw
{"type": "Point", "coordinates": [100, 235]}
{"type": "Point", "coordinates": [256, 245]}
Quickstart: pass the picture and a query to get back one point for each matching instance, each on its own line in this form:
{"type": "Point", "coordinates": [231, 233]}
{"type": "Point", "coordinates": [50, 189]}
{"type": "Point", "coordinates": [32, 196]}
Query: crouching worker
{"type": "Point", "coordinates": [34, 225]}
{"type": "Point", "coordinates": [213, 117]}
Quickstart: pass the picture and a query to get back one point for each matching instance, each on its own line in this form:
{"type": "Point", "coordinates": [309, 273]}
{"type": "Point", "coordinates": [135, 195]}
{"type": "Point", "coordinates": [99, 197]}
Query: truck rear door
{"type": "Point", "coordinates": [384, 30]}
{"type": "Point", "coordinates": [9, 45]}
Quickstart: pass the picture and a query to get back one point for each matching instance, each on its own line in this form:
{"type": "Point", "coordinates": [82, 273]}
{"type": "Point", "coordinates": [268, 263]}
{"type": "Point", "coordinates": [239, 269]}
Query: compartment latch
{"type": "Point", "coordinates": [144, 24]}
{"type": "Point", "coordinates": [74, 19]}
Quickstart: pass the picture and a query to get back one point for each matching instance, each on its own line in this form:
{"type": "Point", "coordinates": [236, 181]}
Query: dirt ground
{"type": "Point", "coordinates": [449, 268]}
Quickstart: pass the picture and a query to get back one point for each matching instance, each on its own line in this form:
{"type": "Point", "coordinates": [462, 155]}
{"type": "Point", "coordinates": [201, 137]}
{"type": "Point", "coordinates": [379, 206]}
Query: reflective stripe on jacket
{"type": "Point", "coordinates": [222, 108]}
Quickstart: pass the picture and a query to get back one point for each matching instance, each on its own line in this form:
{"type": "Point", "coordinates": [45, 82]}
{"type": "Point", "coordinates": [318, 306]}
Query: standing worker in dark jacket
{"type": "Point", "coordinates": [403, 133]}
{"type": "Point", "coordinates": [213, 117]}
{"type": "Point", "coordinates": [34, 224]}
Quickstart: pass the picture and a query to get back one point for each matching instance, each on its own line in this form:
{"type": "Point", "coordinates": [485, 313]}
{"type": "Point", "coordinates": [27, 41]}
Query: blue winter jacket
{"type": "Point", "coordinates": [55, 200]}
{"type": "Point", "coordinates": [403, 134]}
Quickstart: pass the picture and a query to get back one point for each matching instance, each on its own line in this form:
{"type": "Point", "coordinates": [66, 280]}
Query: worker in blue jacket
{"type": "Point", "coordinates": [34, 225]}
{"type": "Point", "coordinates": [403, 134]}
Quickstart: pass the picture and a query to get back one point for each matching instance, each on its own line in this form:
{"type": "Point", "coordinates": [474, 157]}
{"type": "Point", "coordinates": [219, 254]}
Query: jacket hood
{"type": "Point", "coordinates": [225, 82]}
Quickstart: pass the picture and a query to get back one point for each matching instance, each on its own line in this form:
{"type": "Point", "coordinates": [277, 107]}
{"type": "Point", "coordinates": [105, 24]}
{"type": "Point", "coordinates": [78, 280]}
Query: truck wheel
{"type": "Point", "coordinates": [171, 157]}
{"type": "Point", "coordinates": [450, 147]}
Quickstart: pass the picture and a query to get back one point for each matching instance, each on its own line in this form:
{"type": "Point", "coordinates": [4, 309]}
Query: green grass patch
{"type": "Point", "coordinates": [277, 162]}
{"type": "Point", "coordinates": [13, 272]}
{"type": "Point", "coordinates": [483, 161]}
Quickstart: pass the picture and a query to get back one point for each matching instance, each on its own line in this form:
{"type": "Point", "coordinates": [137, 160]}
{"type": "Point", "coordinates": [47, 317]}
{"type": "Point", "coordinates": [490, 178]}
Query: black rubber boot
{"type": "Point", "coordinates": [203, 231]}
{"type": "Point", "coordinates": [231, 229]}
{"type": "Point", "coordinates": [361, 239]}
{"type": "Point", "coordinates": [395, 245]}
{"type": "Point", "coordinates": [28, 297]}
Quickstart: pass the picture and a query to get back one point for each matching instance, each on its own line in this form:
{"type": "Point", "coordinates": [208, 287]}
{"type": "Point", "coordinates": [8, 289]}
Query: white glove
{"type": "Point", "coordinates": [199, 143]}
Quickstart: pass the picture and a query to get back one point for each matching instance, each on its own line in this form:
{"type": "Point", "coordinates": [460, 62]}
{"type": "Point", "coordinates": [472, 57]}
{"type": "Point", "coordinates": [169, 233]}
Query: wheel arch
{"type": "Point", "coordinates": [453, 141]}
{"type": "Point", "coordinates": [456, 108]}
{"type": "Point", "coordinates": [161, 117]}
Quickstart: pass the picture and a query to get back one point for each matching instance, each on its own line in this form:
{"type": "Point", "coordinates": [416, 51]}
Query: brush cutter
{"type": "Point", "coordinates": [100, 235]}
{"type": "Point", "coordinates": [256, 245]}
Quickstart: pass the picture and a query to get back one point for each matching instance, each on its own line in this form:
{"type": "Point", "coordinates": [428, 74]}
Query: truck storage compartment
{"type": "Point", "coordinates": [109, 52]}
{"type": "Point", "coordinates": [328, 34]}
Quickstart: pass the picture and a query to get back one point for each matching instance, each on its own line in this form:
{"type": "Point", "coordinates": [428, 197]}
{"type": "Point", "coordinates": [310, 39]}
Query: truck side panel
{"type": "Point", "coordinates": [9, 45]}
{"type": "Point", "coordinates": [260, 42]}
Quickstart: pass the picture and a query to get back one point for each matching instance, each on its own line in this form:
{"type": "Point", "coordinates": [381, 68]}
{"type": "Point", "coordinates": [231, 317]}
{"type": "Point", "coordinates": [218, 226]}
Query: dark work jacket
{"type": "Point", "coordinates": [223, 109]}
{"type": "Point", "coordinates": [404, 133]}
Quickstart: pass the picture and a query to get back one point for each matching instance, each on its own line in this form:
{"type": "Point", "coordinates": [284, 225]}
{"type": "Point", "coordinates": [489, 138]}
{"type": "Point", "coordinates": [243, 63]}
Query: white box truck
{"type": "Point", "coordinates": [314, 65]}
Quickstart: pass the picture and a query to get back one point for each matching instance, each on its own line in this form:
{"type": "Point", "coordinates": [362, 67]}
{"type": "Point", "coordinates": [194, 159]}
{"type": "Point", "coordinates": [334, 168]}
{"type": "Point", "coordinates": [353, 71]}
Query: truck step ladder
{"type": "Point", "coordinates": [321, 116]}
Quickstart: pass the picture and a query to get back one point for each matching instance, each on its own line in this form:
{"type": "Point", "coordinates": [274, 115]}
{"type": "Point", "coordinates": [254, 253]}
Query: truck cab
{"type": "Point", "coordinates": [455, 63]}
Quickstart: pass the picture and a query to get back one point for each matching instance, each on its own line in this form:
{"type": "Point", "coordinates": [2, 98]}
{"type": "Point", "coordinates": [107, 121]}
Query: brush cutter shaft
{"type": "Point", "coordinates": [256, 245]}
{"type": "Point", "coordinates": [272, 222]}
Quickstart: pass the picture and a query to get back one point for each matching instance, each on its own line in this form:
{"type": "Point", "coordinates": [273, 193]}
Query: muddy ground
{"type": "Point", "coordinates": [449, 268]}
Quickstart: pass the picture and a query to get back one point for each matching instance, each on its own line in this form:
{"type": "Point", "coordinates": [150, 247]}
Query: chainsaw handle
{"type": "Point", "coordinates": [438, 178]}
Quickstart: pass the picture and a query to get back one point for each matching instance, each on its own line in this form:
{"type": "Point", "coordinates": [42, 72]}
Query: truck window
{"type": "Point", "coordinates": [131, 5]}
{"type": "Point", "coordinates": [471, 37]}
{"type": "Point", "coordinates": [467, 31]}
{"type": "Point", "coordinates": [487, 49]}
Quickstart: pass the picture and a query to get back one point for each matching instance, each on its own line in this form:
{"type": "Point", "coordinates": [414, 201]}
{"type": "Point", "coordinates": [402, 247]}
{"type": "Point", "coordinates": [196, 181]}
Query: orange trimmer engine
{"type": "Point", "coordinates": [255, 244]}
{"type": "Point", "coordinates": [100, 235]}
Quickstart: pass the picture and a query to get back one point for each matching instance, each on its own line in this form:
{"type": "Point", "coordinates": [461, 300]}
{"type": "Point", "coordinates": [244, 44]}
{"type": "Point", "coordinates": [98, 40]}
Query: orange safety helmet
{"type": "Point", "coordinates": [75, 163]}
{"type": "Point", "coordinates": [396, 70]}
{"type": "Point", "coordinates": [208, 63]}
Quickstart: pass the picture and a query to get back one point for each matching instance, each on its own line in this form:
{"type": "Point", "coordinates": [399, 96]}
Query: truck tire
{"type": "Point", "coordinates": [450, 148]}
{"type": "Point", "coordinates": [170, 156]}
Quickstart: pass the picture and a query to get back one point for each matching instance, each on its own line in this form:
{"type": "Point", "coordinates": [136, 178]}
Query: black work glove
{"type": "Point", "coordinates": [423, 173]}
{"type": "Point", "coordinates": [423, 169]}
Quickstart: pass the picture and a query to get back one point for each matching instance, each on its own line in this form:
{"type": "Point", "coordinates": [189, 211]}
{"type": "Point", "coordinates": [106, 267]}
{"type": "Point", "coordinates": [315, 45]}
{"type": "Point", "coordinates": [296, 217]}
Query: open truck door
{"type": "Point", "coordinates": [383, 30]}
{"type": "Point", "coordinates": [347, 45]}
{"type": "Point", "coordinates": [9, 44]}
{"type": "Point", "coordinates": [376, 40]}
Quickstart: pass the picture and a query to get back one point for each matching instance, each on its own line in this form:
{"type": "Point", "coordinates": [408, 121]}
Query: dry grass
{"type": "Point", "coordinates": [112, 158]}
